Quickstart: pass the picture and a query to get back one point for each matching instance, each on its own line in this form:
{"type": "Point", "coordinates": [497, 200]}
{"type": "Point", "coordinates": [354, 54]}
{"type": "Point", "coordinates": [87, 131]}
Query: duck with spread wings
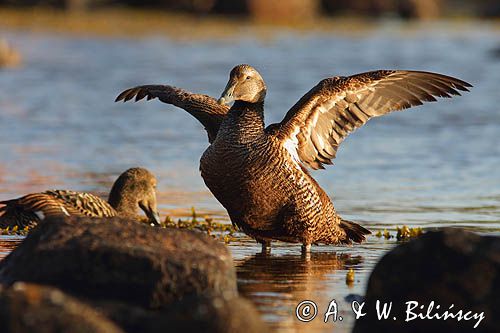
{"type": "Point", "coordinates": [259, 173]}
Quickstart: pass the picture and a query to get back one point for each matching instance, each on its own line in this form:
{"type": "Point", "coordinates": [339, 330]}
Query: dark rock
{"type": "Point", "coordinates": [192, 314]}
{"type": "Point", "coordinates": [231, 7]}
{"type": "Point", "coordinates": [354, 297]}
{"type": "Point", "coordinates": [216, 314]}
{"type": "Point", "coordinates": [143, 279]}
{"type": "Point", "coordinates": [29, 308]}
{"type": "Point", "coordinates": [117, 259]}
{"type": "Point", "coordinates": [417, 9]}
{"type": "Point", "coordinates": [448, 267]}
{"type": "Point", "coordinates": [420, 9]}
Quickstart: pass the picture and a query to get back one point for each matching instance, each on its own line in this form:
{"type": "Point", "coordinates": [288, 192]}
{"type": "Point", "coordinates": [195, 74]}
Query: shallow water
{"type": "Point", "coordinates": [434, 166]}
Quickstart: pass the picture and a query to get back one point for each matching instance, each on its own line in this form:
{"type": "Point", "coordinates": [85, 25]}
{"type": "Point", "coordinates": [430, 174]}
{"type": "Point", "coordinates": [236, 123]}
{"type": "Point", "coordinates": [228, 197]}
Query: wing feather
{"type": "Point", "coordinates": [316, 125]}
{"type": "Point", "coordinates": [82, 204]}
{"type": "Point", "coordinates": [29, 209]}
{"type": "Point", "coordinates": [203, 107]}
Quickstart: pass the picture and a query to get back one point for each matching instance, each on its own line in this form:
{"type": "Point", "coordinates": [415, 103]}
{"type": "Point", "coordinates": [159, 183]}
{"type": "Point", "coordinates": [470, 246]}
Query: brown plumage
{"type": "Point", "coordinates": [204, 108]}
{"type": "Point", "coordinates": [134, 189]}
{"type": "Point", "coordinates": [259, 174]}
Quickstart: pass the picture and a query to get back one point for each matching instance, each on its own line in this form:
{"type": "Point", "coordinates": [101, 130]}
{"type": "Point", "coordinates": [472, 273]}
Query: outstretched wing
{"type": "Point", "coordinates": [204, 108]}
{"type": "Point", "coordinates": [315, 126]}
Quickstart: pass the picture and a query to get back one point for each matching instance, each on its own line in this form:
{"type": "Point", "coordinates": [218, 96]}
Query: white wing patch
{"type": "Point", "coordinates": [64, 211]}
{"type": "Point", "coordinates": [40, 215]}
{"type": "Point", "coordinates": [291, 145]}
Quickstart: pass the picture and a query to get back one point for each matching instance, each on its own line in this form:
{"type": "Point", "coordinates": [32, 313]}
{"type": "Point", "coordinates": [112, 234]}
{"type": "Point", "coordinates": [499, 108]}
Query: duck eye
{"type": "Point", "coordinates": [248, 77]}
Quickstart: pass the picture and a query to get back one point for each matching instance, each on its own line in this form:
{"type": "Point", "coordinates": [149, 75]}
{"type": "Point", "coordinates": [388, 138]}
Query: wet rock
{"type": "Point", "coordinates": [192, 314]}
{"type": "Point", "coordinates": [29, 308]}
{"type": "Point", "coordinates": [143, 279]}
{"type": "Point", "coordinates": [117, 259]}
{"type": "Point", "coordinates": [217, 315]}
{"type": "Point", "coordinates": [447, 267]}
{"type": "Point", "coordinates": [354, 297]}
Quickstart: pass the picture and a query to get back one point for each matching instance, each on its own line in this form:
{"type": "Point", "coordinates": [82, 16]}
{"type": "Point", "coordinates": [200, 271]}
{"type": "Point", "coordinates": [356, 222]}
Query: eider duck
{"type": "Point", "coordinates": [134, 189]}
{"type": "Point", "coordinates": [259, 173]}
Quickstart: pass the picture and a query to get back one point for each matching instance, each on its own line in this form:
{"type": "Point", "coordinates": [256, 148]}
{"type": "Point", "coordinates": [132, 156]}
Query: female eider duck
{"type": "Point", "coordinates": [134, 189]}
{"type": "Point", "coordinates": [259, 173]}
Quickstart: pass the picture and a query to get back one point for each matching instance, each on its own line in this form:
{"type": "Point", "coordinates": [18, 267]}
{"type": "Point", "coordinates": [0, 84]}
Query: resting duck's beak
{"type": "Point", "coordinates": [149, 207]}
{"type": "Point", "coordinates": [155, 218]}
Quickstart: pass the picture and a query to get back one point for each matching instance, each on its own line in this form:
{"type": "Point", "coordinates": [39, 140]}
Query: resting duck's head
{"type": "Point", "coordinates": [245, 84]}
{"type": "Point", "coordinates": [134, 189]}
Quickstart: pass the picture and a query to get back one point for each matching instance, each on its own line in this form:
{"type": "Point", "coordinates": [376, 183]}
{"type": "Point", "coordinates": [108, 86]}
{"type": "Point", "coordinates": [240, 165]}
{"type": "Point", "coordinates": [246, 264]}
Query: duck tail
{"type": "Point", "coordinates": [354, 232]}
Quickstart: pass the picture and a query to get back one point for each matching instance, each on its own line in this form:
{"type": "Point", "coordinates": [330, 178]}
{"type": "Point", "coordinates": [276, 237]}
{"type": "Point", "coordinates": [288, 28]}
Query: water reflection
{"type": "Point", "coordinates": [8, 243]}
{"type": "Point", "coordinates": [277, 283]}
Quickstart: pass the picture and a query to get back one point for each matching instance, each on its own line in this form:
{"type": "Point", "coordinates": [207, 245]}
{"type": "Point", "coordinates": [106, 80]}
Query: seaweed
{"type": "Point", "coordinates": [402, 233]}
{"type": "Point", "coordinates": [349, 277]}
{"type": "Point", "coordinates": [222, 231]}
{"type": "Point", "coordinates": [406, 233]}
{"type": "Point", "coordinates": [15, 230]}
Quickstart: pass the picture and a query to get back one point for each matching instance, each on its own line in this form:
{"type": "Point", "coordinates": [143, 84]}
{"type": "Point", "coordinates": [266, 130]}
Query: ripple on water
{"type": "Point", "coordinates": [8, 243]}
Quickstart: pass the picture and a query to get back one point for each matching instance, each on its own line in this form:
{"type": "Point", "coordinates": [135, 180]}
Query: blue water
{"type": "Point", "coordinates": [433, 166]}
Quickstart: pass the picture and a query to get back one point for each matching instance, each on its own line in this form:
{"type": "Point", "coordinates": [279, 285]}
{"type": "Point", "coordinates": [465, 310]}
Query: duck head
{"type": "Point", "coordinates": [245, 84]}
{"type": "Point", "coordinates": [134, 189]}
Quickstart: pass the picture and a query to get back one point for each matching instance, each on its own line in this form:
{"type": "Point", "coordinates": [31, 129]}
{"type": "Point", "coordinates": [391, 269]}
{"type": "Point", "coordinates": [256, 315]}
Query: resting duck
{"type": "Point", "coordinates": [134, 189]}
{"type": "Point", "coordinates": [259, 173]}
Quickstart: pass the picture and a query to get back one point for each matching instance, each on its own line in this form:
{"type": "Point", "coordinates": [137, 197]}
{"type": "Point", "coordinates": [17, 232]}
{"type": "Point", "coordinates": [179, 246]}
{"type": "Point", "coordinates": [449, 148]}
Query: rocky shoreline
{"type": "Point", "coordinates": [142, 279]}
{"type": "Point", "coordinates": [117, 275]}
{"type": "Point", "coordinates": [443, 281]}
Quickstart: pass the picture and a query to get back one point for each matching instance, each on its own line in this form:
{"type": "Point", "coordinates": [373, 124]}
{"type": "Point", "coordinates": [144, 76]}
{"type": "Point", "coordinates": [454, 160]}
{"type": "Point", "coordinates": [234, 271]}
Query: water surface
{"type": "Point", "coordinates": [433, 166]}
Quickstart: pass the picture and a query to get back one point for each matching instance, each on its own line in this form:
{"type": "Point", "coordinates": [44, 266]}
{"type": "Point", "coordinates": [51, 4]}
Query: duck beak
{"type": "Point", "coordinates": [227, 95]}
{"type": "Point", "coordinates": [155, 218]}
{"type": "Point", "coordinates": [149, 209]}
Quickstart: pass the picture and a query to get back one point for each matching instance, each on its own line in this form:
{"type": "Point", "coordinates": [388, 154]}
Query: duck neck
{"type": "Point", "coordinates": [122, 203]}
{"type": "Point", "coordinates": [248, 119]}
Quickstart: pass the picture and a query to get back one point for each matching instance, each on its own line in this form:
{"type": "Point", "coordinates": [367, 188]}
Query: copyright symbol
{"type": "Point", "coordinates": [306, 311]}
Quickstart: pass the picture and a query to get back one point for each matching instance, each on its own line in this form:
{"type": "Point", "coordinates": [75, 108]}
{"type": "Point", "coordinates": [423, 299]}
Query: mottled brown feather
{"type": "Point", "coordinates": [258, 174]}
{"type": "Point", "coordinates": [204, 108]}
{"type": "Point", "coordinates": [53, 203]}
{"type": "Point", "coordinates": [346, 103]}
{"type": "Point", "coordinates": [32, 208]}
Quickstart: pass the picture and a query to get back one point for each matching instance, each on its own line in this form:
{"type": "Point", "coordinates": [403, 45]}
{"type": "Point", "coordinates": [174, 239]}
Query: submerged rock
{"type": "Point", "coordinates": [426, 276]}
{"type": "Point", "coordinates": [117, 259]}
{"type": "Point", "coordinates": [30, 308]}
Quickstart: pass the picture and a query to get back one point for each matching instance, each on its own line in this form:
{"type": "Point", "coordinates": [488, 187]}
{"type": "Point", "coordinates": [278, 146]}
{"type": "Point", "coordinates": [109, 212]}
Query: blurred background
{"type": "Point", "coordinates": [288, 10]}
{"type": "Point", "coordinates": [62, 63]}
